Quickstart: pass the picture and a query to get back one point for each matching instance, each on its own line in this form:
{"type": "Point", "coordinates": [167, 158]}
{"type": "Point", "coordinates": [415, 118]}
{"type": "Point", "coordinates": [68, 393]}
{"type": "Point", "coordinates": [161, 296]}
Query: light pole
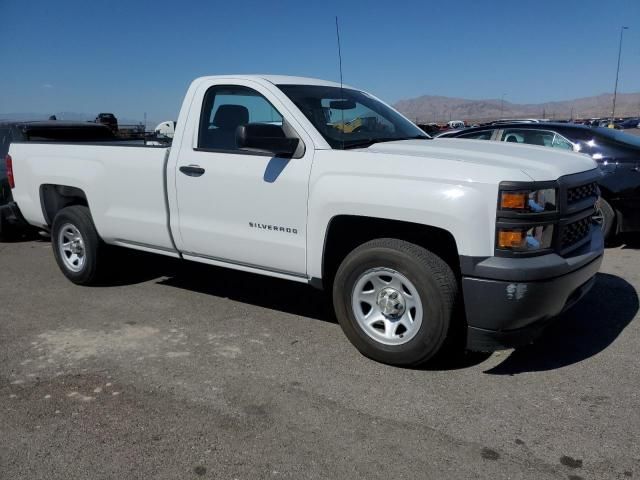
{"type": "Point", "coordinates": [615, 89]}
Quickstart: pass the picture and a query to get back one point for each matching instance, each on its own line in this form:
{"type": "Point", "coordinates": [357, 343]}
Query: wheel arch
{"type": "Point", "coordinates": [54, 198]}
{"type": "Point", "coordinates": [344, 233]}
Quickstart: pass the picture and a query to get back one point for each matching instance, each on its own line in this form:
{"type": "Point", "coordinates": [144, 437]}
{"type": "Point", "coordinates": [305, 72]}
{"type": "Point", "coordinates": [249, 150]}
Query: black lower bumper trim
{"type": "Point", "coordinates": [487, 340]}
{"type": "Point", "coordinates": [509, 301]}
{"type": "Point", "coordinates": [507, 305]}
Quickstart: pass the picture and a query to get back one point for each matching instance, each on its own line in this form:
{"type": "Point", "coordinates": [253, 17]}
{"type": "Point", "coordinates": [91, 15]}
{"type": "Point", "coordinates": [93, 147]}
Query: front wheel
{"type": "Point", "coordinates": [78, 249]}
{"type": "Point", "coordinates": [395, 301]}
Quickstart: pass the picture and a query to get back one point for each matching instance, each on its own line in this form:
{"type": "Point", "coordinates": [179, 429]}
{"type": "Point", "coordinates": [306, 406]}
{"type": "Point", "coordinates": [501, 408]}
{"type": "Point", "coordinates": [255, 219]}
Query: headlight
{"type": "Point", "coordinates": [525, 239]}
{"type": "Point", "coordinates": [529, 201]}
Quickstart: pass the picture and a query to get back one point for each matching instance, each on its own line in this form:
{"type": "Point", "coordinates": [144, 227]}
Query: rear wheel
{"type": "Point", "coordinates": [78, 249]}
{"type": "Point", "coordinates": [395, 301]}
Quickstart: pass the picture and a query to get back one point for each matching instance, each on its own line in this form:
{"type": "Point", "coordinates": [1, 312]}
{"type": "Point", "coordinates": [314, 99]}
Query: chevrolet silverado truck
{"type": "Point", "coordinates": [416, 238]}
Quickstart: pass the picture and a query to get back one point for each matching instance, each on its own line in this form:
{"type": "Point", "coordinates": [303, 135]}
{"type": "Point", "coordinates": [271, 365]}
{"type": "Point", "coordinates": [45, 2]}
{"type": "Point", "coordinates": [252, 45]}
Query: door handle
{"type": "Point", "coordinates": [192, 170]}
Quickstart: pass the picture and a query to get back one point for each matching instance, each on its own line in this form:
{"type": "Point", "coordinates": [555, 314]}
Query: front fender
{"type": "Point", "coordinates": [464, 209]}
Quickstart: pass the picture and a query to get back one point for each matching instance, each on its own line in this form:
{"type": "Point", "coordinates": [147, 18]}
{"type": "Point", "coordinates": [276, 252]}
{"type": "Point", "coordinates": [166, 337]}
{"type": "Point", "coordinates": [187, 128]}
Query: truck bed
{"type": "Point", "coordinates": [125, 185]}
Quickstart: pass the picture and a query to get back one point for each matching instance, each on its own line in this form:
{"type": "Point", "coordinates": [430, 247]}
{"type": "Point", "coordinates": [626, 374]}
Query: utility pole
{"type": "Point", "coordinates": [615, 89]}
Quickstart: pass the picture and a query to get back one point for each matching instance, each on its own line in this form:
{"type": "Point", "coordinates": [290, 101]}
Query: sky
{"type": "Point", "coordinates": [132, 57]}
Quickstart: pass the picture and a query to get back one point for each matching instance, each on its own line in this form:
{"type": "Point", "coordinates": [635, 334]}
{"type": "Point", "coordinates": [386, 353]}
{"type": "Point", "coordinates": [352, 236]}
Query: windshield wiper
{"type": "Point", "coordinates": [370, 141]}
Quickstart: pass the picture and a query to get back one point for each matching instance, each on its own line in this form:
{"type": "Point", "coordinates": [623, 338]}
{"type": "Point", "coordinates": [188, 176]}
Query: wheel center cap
{"type": "Point", "coordinates": [391, 302]}
{"type": "Point", "coordinates": [76, 247]}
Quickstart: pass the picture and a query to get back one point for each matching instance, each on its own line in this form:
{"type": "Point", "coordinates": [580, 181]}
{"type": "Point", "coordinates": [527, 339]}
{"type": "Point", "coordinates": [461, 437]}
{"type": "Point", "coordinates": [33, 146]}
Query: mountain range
{"type": "Point", "coordinates": [430, 108]}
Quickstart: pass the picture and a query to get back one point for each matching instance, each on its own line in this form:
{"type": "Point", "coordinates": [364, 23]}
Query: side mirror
{"type": "Point", "coordinates": [267, 138]}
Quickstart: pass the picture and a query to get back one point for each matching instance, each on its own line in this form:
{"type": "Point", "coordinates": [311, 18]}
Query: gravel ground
{"type": "Point", "coordinates": [185, 371]}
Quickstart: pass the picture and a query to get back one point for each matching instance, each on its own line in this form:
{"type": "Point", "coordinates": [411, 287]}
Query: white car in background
{"type": "Point", "coordinates": [456, 124]}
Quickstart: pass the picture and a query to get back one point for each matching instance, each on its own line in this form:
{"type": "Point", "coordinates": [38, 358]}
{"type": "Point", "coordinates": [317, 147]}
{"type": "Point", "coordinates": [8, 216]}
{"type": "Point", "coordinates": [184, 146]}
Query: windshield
{"type": "Point", "coordinates": [350, 118]}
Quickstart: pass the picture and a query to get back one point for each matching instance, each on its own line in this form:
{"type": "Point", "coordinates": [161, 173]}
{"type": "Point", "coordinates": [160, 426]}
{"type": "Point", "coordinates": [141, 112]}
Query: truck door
{"type": "Point", "coordinates": [240, 207]}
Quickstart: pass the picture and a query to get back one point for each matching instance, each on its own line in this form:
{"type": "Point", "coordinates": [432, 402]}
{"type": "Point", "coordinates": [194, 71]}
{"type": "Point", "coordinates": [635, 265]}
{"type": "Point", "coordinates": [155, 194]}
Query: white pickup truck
{"type": "Point", "coordinates": [302, 179]}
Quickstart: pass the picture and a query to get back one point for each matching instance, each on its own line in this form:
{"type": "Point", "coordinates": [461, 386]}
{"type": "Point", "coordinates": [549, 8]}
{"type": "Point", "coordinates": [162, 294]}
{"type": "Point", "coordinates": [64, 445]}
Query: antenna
{"type": "Point", "coordinates": [341, 90]}
{"type": "Point", "coordinates": [339, 52]}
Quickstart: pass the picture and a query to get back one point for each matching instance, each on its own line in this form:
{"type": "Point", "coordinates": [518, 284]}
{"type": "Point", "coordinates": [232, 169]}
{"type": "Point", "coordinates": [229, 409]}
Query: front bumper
{"type": "Point", "coordinates": [509, 301]}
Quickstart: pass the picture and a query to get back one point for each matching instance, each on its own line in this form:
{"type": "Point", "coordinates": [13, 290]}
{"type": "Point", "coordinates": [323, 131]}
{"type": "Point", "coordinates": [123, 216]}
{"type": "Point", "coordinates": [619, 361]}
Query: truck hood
{"type": "Point", "coordinates": [539, 163]}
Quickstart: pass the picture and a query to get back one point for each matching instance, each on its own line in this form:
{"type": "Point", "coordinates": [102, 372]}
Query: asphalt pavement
{"type": "Point", "coordinates": [183, 371]}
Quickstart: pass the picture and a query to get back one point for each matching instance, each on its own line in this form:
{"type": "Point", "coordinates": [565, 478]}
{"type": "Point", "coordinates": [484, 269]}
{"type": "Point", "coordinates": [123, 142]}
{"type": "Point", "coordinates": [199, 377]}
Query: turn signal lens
{"type": "Point", "coordinates": [513, 200]}
{"type": "Point", "coordinates": [511, 238]}
{"type": "Point", "coordinates": [529, 201]}
{"type": "Point", "coordinates": [527, 239]}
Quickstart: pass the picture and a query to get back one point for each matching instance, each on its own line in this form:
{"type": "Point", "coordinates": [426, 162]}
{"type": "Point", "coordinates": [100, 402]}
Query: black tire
{"type": "Point", "coordinates": [436, 286]}
{"type": "Point", "coordinates": [94, 263]}
{"type": "Point", "coordinates": [608, 216]}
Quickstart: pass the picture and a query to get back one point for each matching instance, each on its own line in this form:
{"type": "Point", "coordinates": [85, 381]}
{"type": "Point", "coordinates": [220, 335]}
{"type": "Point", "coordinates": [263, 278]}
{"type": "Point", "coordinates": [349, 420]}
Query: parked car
{"type": "Point", "coordinates": [515, 120]}
{"type": "Point", "coordinates": [11, 222]}
{"type": "Point", "coordinates": [108, 119]}
{"type": "Point", "coordinates": [418, 239]}
{"type": "Point", "coordinates": [455, 124]}
{"type": "Point", "coordinates": [617, 154]}
{"type": "Point", "coordinates": [629, 123]}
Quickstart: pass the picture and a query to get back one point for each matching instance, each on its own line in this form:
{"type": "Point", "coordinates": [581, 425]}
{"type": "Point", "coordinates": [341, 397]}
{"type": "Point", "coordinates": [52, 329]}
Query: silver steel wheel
{"type": "Point", "coordinates": [71, 247]}
{"type": "Point", "coordinates": [387, 306]}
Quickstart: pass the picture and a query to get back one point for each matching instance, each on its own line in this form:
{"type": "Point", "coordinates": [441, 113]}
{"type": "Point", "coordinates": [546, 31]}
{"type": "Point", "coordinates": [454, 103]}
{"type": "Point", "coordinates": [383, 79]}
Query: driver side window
{"type": "Point", "coordinates": [225, 108]}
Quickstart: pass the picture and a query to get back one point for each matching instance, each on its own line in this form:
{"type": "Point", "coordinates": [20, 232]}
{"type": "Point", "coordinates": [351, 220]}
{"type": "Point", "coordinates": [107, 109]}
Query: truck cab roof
{"type": "Point", "coordinates": [277, 79]}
